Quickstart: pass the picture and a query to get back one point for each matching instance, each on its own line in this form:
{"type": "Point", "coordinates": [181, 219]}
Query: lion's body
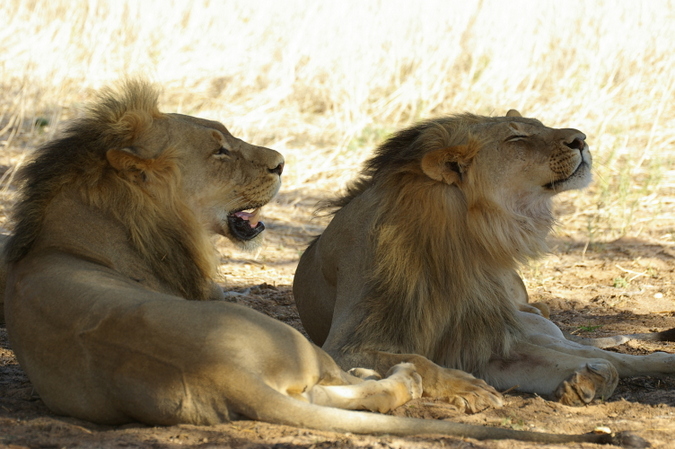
{"type": "Point", "coordinates": [421, 258]}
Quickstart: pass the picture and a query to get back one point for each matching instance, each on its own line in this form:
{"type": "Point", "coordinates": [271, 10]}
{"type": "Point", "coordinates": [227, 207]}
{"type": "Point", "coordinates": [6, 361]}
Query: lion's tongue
{"type": "Point", "coordinates": [251, 217]}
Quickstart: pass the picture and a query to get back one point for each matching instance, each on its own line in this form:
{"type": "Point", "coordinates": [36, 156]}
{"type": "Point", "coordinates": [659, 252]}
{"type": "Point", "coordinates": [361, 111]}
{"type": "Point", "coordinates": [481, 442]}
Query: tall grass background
{"type": "Point", "coordinates": [325, 81]}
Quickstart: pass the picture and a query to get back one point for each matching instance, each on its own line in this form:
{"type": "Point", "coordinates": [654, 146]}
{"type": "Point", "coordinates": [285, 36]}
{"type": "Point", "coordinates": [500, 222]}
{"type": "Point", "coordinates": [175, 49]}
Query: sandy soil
{"type": "Point", "coordinates": [625, 286]}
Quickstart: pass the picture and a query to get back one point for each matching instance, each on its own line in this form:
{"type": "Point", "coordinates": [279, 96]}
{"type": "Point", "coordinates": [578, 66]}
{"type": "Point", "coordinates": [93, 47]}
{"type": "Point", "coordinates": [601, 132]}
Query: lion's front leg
{"type": "Point", "coordinates": [545, 363]}
{"type": "Point", "coordinates": [571, 379]}
{"type": "Point", "coordinates": [458, 388]}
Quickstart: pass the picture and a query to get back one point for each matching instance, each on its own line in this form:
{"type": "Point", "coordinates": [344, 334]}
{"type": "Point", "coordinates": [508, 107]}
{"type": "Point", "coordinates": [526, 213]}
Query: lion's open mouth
{"type": "Point", "coordinates": [245, 225]}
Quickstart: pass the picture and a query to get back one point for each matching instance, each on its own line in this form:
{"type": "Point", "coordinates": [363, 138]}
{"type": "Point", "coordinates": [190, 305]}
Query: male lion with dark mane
{"type": "Point", "coordinates": [419, 262]}
{"type": "Point", "coordinates": [111, 307]}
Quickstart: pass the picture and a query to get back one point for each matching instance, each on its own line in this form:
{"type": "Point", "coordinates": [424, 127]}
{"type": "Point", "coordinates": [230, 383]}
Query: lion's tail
{"type": "Point", "coordinates": [615, 340]}
{"type": "Point", "coordinates": [281, 409]}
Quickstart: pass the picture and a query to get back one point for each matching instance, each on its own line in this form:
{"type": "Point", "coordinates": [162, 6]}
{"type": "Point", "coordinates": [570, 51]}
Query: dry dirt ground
{"type": "Point", "coordinates": [625, 286]}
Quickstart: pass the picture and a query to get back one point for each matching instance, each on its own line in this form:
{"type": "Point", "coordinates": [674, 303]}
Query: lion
{"type": "Point", "coordinates": [112, 231]}
{"type": "Point", "coordinates": [111, 304]}
{"type": "Point", "coordinates": [419, 262]}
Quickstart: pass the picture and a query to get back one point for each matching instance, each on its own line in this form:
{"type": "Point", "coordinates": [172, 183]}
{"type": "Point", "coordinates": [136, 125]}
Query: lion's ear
{"type": "Point", "coordinates": [513, 113]}
{"type": "Point", "coordinates": [445, 165]}
{"type": "Point", "coordinates": [128, 163]}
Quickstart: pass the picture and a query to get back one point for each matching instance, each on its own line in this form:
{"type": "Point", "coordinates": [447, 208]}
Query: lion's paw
{"type": "Point", "coordinates": [597, 379]}
{"type": "Point", "coordinates": [476, 397]}
{"type": "Point", "coordinates": [407, 373]}
{"type": "Point", "coordinates": [467, 393]}
{"type": "Point", "coordinates": [365, 373]}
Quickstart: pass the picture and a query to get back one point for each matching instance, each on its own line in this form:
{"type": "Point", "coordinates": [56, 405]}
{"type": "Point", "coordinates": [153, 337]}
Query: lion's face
{"type": "Point", "coordinates": [224, 180]}
{"type": "Point", "coordinates": [504, 172]}
{"type": "Point", "coordinates": [526, 156]}
{"type": "Point", "coordinates": [513, 160]}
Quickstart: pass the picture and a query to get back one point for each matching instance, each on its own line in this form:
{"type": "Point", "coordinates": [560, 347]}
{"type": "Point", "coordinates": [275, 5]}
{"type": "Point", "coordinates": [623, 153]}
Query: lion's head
{"type": "Point", "coordinates": [450, 208]}
{"type": "Point", "coordinates": [501, 171]}
{"type": "Point", "coordinates": [165, 178]}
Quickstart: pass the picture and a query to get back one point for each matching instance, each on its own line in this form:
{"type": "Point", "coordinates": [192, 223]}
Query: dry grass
{"type": "Point", "coordinates": [324, 82]}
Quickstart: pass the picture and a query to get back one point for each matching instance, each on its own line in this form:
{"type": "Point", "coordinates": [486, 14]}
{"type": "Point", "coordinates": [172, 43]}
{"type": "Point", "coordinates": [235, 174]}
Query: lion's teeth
{"type": "Point", "coordinates": [251, 217]}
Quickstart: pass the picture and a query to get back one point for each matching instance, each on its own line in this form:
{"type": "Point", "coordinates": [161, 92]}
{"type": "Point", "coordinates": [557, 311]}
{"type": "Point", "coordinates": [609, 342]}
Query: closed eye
{"type": "Point", "coordinates": [222, 151]}
{"type": "Point", "coordinates": [516, 137]}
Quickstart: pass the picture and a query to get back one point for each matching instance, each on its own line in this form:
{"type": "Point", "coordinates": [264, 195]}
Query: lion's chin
{"type": "Point", "coordinates": [577, 180]}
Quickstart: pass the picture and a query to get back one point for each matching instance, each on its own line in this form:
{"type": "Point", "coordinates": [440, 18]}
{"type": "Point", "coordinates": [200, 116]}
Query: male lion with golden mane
{"type": "Point", "coordinates": [419, 262]}
{"type": "Point", "coordinates": [111, 307]}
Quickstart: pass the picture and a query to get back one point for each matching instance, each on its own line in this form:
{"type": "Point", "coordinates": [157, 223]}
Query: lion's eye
{"type": "Point", "coordinates": [222, 151]}
{"type": "Point", "coordinates": [516, 137]}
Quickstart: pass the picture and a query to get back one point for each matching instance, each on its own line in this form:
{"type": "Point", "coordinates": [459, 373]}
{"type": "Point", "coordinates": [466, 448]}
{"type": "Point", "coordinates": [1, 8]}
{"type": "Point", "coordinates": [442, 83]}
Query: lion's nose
{"type": "Point", "coordinates": [279, 169]}
{"type": "Point", "coordinates": [577, 142]}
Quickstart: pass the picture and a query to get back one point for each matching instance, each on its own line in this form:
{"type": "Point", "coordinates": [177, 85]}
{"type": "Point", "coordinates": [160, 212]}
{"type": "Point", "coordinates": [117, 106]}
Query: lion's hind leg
{"type": "Point", "coordinates": [400, 386]}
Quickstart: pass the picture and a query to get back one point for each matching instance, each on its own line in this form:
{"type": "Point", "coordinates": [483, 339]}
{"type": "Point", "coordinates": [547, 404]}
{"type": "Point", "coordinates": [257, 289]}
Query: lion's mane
{"type": "Point", "coordinates": [160, 225]}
